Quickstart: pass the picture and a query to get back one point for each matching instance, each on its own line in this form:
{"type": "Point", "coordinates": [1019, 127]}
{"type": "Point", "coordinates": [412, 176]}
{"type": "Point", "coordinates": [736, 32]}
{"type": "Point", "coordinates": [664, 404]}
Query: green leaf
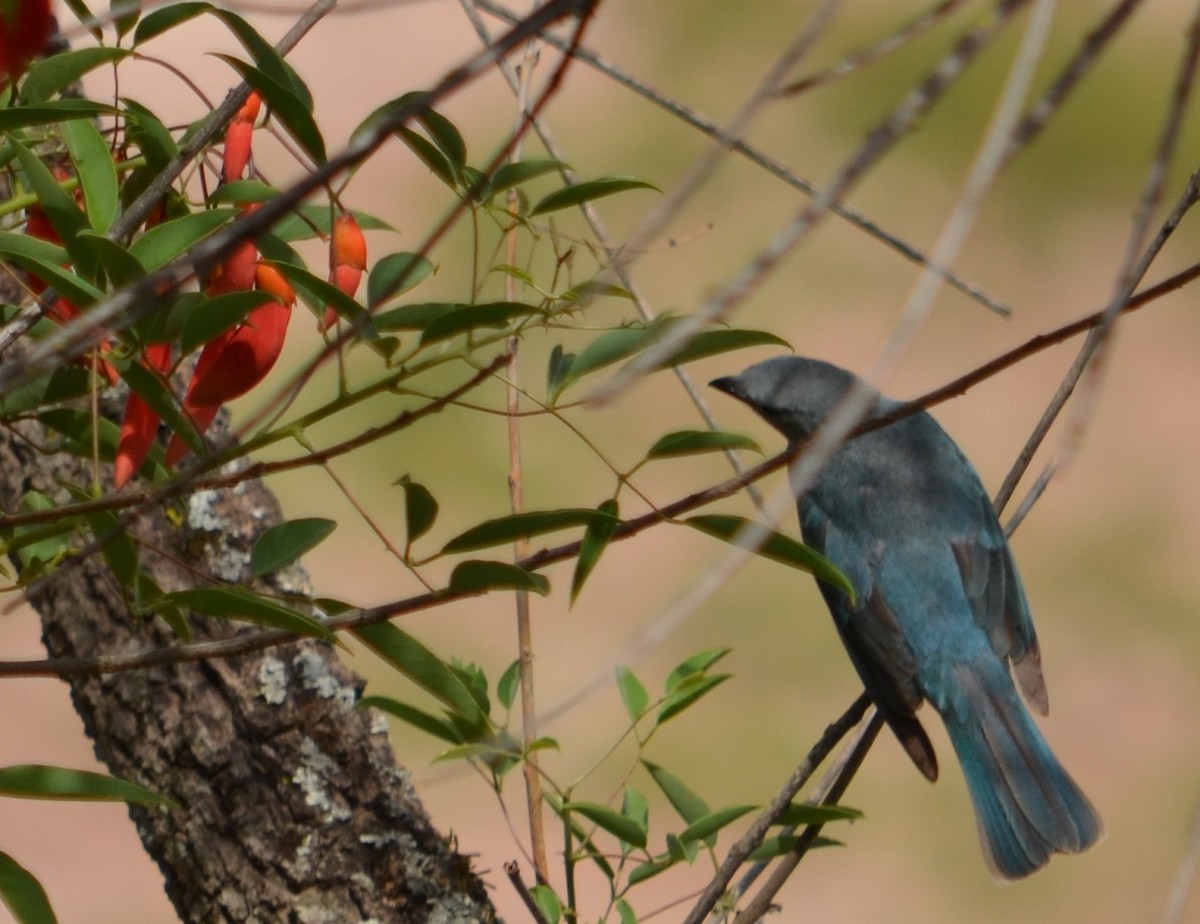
{"type": "Point", "coordinates": [610, 347]}
{"type": "Point", "coordinates": [557, 369]}
{"type": "Point", "coordinates": [394, 274]}
{"type": "Point", "coordinates": [687, 693]}
{"type": "Point", "coordinates": [268, 60]}
{"type": "Point", "coordinates": [508, 685]}
{"type": "Point", "coordinates": [152, 138]}
{"type": "Point", "coordinates": [129, 12]}
{"type": "Point", "coordinates": [164, 242]}
{"type": "Point", "coordinates": [291, 110]}
{"type": "Point", "coordinates": [514, 174]}
{"type": "Point", "coordinates": [588, 191]}
{"type": "Point", "coordinates": [22, 894]}
{"type": "Point", "coordinates": [60, 208]}
{"type": "Point", "coordinates": [635, 807]}
{"type": "Point", "coordinates": [713, 342]}
{"type": "Point", "coordinates": [55, 73]}
{"type": "Point", "coordinates": [651, 869]}
{"type": "Point", "coordinates": [776, 547]}
{"type": "Point", "coordinates": [705, 827]}
{"type": "Point", "coordinates": [239, 192]}
{"type": "Point", "coordinates": [692, 442]}
{"type": "Point", "coordinates": [155, 392]}
{"type": "Point", "coordinates": [420, 508]}
{"type": "Point", "coordinates": [166, 18]}
{"type": "Point", "coordinates": [417, 718]}
{"type": "Point", "coordinates": [63, 384]}
{"type": "Point", "coordinates": [691, 807]}
{"type": "Point", "coordinates": [783, 844]}
{"type": "Point", "coordinates": [495, 315]}
{"type": "Point", "coordinates": [76, 426]}
{"type": "Point", "coordinates": [595, 540]}
{"type": "Point", "coordinates": [800, 813]}
{"type": "Point", "coordinates": [548, 904]}
{"type": "Point", "coordinates": [475, 576]}
{"type": "Point", "coordinates": [119, 551]}
{"type": "Point", "coordinates": [690, 667]}
{"type": "Point", "coordinates": [59, 110]}
{"type": "Point", "coordinates": [97, 172]}
{"type": "Point", "coordinates": [520, 525]}
{"type": "Point", "coordinates": [424, 668]}
{"type": "Point", "coordinates": [414, 317]}
{"type": "Point", "coordinates": [37, 781]}
{"type": "Point", "coordinates": [119, 264]}
{"type": "Point", "coordinates": [285, 542]}
{"type": "Point", "coordinates": [633, 694]}
{"type": "Point", "coordinates": [626, 830]}
{"type": "Point", "coordinates": [626, 913]}
{"type": "Point", "coordinates": [217, 316]}
{"type": "Point", "coordinates": [245, 606]}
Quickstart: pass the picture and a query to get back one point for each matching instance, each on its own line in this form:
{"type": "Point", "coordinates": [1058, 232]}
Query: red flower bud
{"type": "Point", "coordinates": [347, 260]}
{"type": "Point", "coordinates": [140, 424]}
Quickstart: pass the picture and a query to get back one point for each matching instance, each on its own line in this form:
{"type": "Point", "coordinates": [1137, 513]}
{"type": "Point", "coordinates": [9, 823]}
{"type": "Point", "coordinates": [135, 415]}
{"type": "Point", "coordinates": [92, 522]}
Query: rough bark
{"type": "Point", "coordinates": [291, 804]}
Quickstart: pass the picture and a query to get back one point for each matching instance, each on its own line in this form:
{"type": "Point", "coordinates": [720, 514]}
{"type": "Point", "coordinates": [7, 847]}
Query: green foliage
{"type": "Point", "coordinates": [549, 290]}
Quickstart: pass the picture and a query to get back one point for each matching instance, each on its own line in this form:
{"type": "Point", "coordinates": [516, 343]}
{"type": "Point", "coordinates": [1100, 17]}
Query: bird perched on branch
{"type": "Point", "coordinates": [938, 614]}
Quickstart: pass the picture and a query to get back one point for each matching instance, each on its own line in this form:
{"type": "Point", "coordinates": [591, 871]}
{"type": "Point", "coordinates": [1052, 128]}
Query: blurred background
{"type": "Point", "coordinates": [1108, 554]}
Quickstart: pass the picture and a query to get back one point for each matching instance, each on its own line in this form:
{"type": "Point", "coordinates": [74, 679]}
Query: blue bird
{"type": "Point", "coordinates": [939, 613]}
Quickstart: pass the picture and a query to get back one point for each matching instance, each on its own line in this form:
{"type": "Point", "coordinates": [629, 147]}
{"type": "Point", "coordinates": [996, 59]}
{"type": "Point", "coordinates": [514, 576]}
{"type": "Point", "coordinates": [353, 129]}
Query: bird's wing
{"type": "Point", "coordinates": [998, 602]}
{"type": "Point", "coordinates": [871, 634]}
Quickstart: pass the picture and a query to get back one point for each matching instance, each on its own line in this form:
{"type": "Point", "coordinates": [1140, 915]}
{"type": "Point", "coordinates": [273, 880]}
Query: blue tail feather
{"type": "Point", "coordinates": [1026, 805]}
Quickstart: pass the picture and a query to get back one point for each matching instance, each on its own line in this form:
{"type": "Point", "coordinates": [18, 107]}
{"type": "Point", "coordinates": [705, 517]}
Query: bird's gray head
{"type": "Point", "coordinates": [792, 393]}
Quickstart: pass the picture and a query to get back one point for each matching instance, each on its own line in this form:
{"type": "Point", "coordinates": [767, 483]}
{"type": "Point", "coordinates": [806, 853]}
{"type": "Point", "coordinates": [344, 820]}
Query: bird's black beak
{"type": "Point", "coordinates": [727, 384]}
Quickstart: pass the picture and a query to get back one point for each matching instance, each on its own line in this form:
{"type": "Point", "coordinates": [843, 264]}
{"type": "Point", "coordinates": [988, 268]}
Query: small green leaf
{"type": "Point", "coordinates": [59, 110]}
{"type": "Point", "coordinates": [60, 208]}
{"type": "Point", "coordinates": [164, 242]}
{"type": "Point", "coordinates": [97, 173]}
{"type": "Point", "coordinates": [509, 684]}
{"type": "Point", "coordinates": [217, 316]}
{"type": "Point", "coordinates": [691, 807]}
{"type": "Point", "coordinates": [610, 347]}
{"type": "Point", "coordinates": [713, 342]}
{"type": "Point", "coordinates": [624, 829]}
{"type": "Point", "coordinates": [495, 315]}
{"type": "Point", "coordinates": [55, 73]}
{"type": "Point", "coordinates": [125, 15]}
{"type": "Point", "coordinates": [245, 606]}
{"type": "Point", "coordinates": [649, 870]}
{"type": "Point", "coordinates": [152, 138]}
{"type": "Point", "coordinates": [692, 442]}
{"type": "Point", "coordinates": [420, 508]}
{"type": "Point", "coordinates": [547, 903]}
{"type": "Point", "coordinates": [514, 174]}
{"type": "Point", "coordinates": [119, 264]}
{"type": "Point", "coordinates": [588, 191]}
{"type": "Point", "coordinates": [475, 576]}
{"type": "Point", "coordinates": [285, 542]}
{"type": "Point", "coordinates": [705, 827]}
{"type": "Point", "coordinates": [239, 192]}
{"type": "Point", "coordinates": [690, 667]}
{"type": "Point", "coordinates": [687, 693]}
{"type": "Point", "coordinates": [417, 718]}
{"type": "Point", "coordinates": [155, 392]}
{"type": "Point", "coordinates": [119, 551]}
{"type": "Point", "coordinates": [776, 547]}
{"type": "Point", "coordinates": [626, 913]}
{"type": "Point", "coordinates": [635, 807]}
{"type": "Point", "coordinates": [63, 384]}
{"type": "Point", "coordinates": [425, 669]}
{"type": "Point", "coordinates": [633, 694]}
{"type": "Point", "coordinates": [166, 18]}
{"type": "Point", "coordinates": [22, 894]}
{"type": "Point", "coordinates": [595, 540]}
{"type": "Point", "coordinates": [395, 274]}
{"type": "Point", "coordinates": [287, 106]}
{"type": "Point", "coordinates": [557, 370]}
{"type": "Point", "coordinates": [520, 525]}
{"type": "Point", "coordinates": [37, 781]}
{"type": "Point", "coordinates": [800, 813]}
{"type": "Point", "coordinates": [414, 317]}
{"type": "Point", "coordinates": [783, 844]}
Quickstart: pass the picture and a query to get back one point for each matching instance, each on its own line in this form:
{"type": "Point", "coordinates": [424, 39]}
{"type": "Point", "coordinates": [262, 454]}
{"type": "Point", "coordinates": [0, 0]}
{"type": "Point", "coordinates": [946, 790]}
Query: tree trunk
{"type": "Point", "coordinates": [291, 806]}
